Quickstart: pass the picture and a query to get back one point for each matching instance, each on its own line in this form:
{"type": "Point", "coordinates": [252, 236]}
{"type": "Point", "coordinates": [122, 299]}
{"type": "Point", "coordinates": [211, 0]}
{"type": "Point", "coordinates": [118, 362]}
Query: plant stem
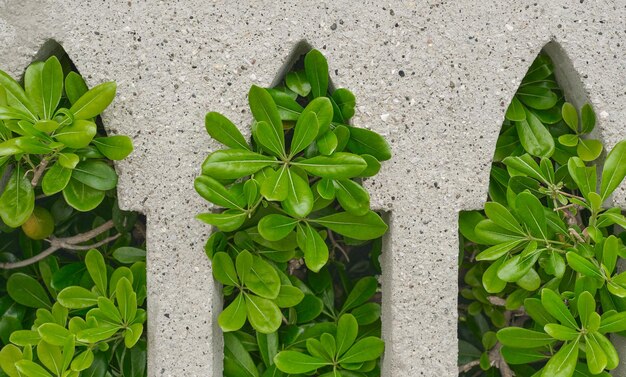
{"type": "Point", "coordinates": [70, 243]}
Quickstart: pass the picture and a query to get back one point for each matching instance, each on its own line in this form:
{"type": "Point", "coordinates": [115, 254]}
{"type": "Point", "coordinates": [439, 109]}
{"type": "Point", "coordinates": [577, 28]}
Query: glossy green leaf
{"type": "Point", "coordinates": [234, 163]}
{"type": "Point", "coordinates": [515, 111]}
{"type": "Point", "coordinates": [97, 269]}
{"type": "Point", "coordinates": [305, 132]}
{"type": "Point", "coordinates": [263, 314]}
{"type": "Point", "coordinates": [347, 330]}
{"type": "Point", "coordinates": [9, 356]}
{"type": "Point", "coordinates": [226, 221]}
{"type": "Point", "coordinates": [288, 108]}
{"type": "Point", "coordinates": [296, 362]}
{"type": "Point", "coordinates": [589, 149]}
{"type": "Point", "coordinates": [313, 246]}
{"type": "Point", "coordinates": [81, 196]}
{"type": "Point", "coordinates": [299, 201]}
{"type": "Point", "coordinates": [237, 360]}
{"type": "Point", "coordinates": [54, 334]}
{"type": "Point", "coordinates": [223, 130]}
{"type": "Point", "coordinates": [580, 264]}
{"type": "Point", "coordinates": [369, 348]}
{"type": "Point", "coordinates": [16, 96]}
{"type": "Point", "coordinates": [503, 217]}
{"type": "Point", "coordinates": [554, 305]}
{"type": "Point", "coordinates": [563, 363]}
{"type": "Point", "coordinates": [531, 212]}
{"type": "Point", "coordinates": [77, 298]}
{"type": "Point", "coordinates": [289, 296]}
{"type": "Point", "coordinates": [276, 227]}
{"type": "Point", "coordinates": [588, 117]}
{"type": "Point", "coordinates": [570, 116]}
{"type": "Point", "coordinates": [264, 109]}
{"type": "Point", "coordinates": [75, 87]}
{"type": "Point", "coordinates": [224, 269]}
{"type": "Point", "coordinates": [560, 332]}
{"type": "Point", "coordinates": [276, 186]}
{"type": "Point", "coordinates": [269, 140]}
{"type": "Point", "coordinates": [523, 338]}
{"type": "Point", "coordinates": [614, 170]}
{"type": "Point", "coordinates": [116, 147]}
{"type": "Point", "coordinates": [78, 134]}
{"type": "Point", "coordinates": [536, 97]}
{"type": "Point", "coordinates": [364, 141]}
{"type": "Point", "coordinates": [534, 136]}
{"type": "Point", "coordinates": [95, 174]}
{"type": "Point", "coordinates": [367, 227]}
{"type": "Point", "coordinates": [352, 196]}
{"type": "Point", "coordinates": [345, 103]}
{"type": "Point", "coordinates": [337, 166]}
{"type": "Point", "coordinates": [31, 369]}
{"type": "Point", "coordinates": [213, 191]}
{"type": "Point", "coordinates": [94, 101]}
{"type": "Point", "coordinates": [17, 200]}
{"type": "Point", "coordinates": [323, 110]}
{"type": "Point", "coordinates": [233, 317]}
{"type": "Point", "coordinates": [363, 290]}
{"type": "Point", "coordinates": [27, 291]}
{"type": "Point", "coordinates": [316, 69]}
{"type": "Point", "coordinates": [263, 280]}
{"type": "Point", "coordinates": [298, 82]}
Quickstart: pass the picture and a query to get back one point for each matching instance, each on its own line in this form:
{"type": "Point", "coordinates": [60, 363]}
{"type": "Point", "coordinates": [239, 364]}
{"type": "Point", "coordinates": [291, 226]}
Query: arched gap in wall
{"type": "Point", "coordinates": [76, 221]}
{"type": "Point", "coordinates": [357, 260]}
{"type": "Point", "coordinates": [516, 247]}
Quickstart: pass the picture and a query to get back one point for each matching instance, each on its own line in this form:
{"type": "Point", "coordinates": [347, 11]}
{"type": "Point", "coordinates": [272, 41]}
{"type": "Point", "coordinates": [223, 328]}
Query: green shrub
{"type": "Point", "coordinates": [297, 242]}
{"type": "Point", "coordinates": [540, 294]}
{"type": "Point", "coordinates": [73, 275]}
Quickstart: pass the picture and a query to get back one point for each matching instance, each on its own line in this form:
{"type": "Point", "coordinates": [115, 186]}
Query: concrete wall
{"type": "Point", "coordinates": [434, 76]}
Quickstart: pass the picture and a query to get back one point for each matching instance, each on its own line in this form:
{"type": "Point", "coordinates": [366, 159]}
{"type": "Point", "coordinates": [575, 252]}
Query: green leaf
{"type": "Point", "coordinates": [9, 356]}
{"type": "Point", "coordinates": [54, 334]}
{"type": "Point", "coordinates": [345, 103]}
{"type": "Point", "coordinates": [223, 130]}
{"type": "Point", "coordinates": [268, 347]}
{"type": "Point", "coordinates": [226, 221]}
{"type": "Point", "coordinates": [82, 197]}
{"type": "Point", "coordinates": [78, 134]}
{"type": "Point", "coordinates": [30, 369]}
{"type": "Point", "coordinates": [589, 149]}
{"type": "Point", "coordinates": [316, 69]}
{"type": "Point", "coordinates": [276, 186]}
{"type": "Point", "coordinates": [299, 201]}
{"type": "Point", "coordinates": [97, 269]}
{"type": "Point", "coordinates": [608, 348]}
{"type": "Point", "coordinates": [83, 361]}
{"type": "Point", "coordinates": [237, 360]}
{"type": "Point", "coordinates": [337, 166]}
{"type": "Point", "coordinates": [570, 116]}
{"type": "Point", "coordinates": [263, 314]}
{"type": "Point", "coordinates": [313, 246]}
{"type": "Point", "coordinates": [305, 132]}
{"type": "Point", "coordinates": [96, 334]}
{"type": "Point", "coordinates": [563, 363]}
{"type": "Point", "coordinates": [288, 108]}
{"type": "Point", "coordinates": [531, 211]}
{"type": "Point", "coordinates": [309, 308]}
{"type": "Point", "coordinates": [27, 291]}
{"type": "Point", "coordinates": [364, 141]}
{"type": "Point", "coordinates": [75, 297]}
{"type": "Point", "coordinates": [596, 358]}
{"type": "Point", "coordinates": [347, 331]}
{"type": "Point", "coordinates": [515, 112]}
{"type": "Point", "coordinates": [373, 166]}
{"type": "Point", "coordinates": [129, 255]}
{"type": "Point", "coordinates": [68, 160]}
{"type": "Point", "coordinates": [234, 163]}
{"type": "Point", "coordinates": [588, 118]}
{"type": "Point", "coordinates": [275, 227]}
{"type": "Point", "coordinates": [95, 174]}
{"type": "Point", "coordinates": [264, 110]}
{"type": "Point", "coordinates": [296, 362]}
{"type": "Point", "coordinates": [269, 140]}
{"type": "Point", "coordinates": [614, 170]}
{"type": "Point", "coordinates": [581, 264]}
{"type": "Point", "coordinates": [224, 269]}
{"type": "Point", "coordinates": [126, 300]}
{"type": "Point", "coordinates": [363, 290]}
{"type": "Point", "coordinates": [536, 97]}
{"type": "Point", "coordinates": [16, 96]}
{"type": "Point", "coordinates": [613, 323]}
{"type": "Point", "coordinates": [25, 337]}
{"type": "Point", "coordinates": [234, 316]}
{"type": "Point", "coordinates": [289, 296]}
{"type": "Point", "coordinates": [586, 306]}
{"type": "Point", "coordinates": [94, 101]}
{"type": "Point", "coordinates": [569, 140]}
{"type": "Point", "coordinates": [501, 216]}
{"type": "Point", "coordinates": [534, 136]}
{"type": "Point", "coordinates": [554, 305]}
{"type": "Point", "coordinates": [490, 233]}
{"type": "Point", "coordinates": [132, 334]}
{"type": "Point", "coordinates": [560, 332]}
{"type": "Point", "coordinates": [367, 227]}
{"type": "Point", "coordinates": [213, 191]}
{"type": "Point", "coordinates": [516, 356]}
{"type": "Point", "coordinates": [323, 110]}
{"type": "Point", "coordinates": [17, 200]}
{"type": "Point", "coordinates": [51, 86]}
{"type": "Point", "coordinates": [369, 348]}
{"type": "Point", "coordinates": [298, 82]}
{"type": "Point", "coordinates": [263, 279]}
{"type": "Point", "coordinates": [352, 196]}
{"type": "Point", "coordinates": [116, 147]}
{"type": "Point", "coordinates": [518, 337]}
{"type": "Point", "coordinates": [517, 267]}
{"type": "Point", "coordinates": [491, 282]}
{"type": "Point", "coordinates": [75, 87]}
{"type": "Point", "coordinates": [496, 251]}
{"type": "Point", "coordinates": [527, 165]}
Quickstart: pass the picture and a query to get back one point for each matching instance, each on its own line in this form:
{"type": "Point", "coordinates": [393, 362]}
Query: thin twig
{"type": "Point", "coordinates": [39, 172]}
{"type": "Point", "coordinates": [92, 246]}
{"type": "Point", "coordinates": [65, 243]}
{"type": "Point", "coordinates": [467, 367]}
{"type": "Point", "coordinates": [337, 245]}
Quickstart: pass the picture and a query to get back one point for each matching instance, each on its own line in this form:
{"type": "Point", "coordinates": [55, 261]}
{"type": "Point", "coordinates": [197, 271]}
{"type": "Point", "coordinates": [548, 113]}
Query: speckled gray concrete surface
{"type": "Point", "coordinates": [434, 76]}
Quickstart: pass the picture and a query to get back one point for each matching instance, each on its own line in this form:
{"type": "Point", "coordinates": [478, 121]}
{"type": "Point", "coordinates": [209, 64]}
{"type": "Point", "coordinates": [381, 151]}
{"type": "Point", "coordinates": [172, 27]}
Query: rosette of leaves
{"type": "Point", "coordinates": [540, 292]}
{"type": "Point", "coordinates": [94, 327]}
{"type": "Point", "coordinates": [49, 141]}
{"type": "Point", "coordinates": [292, 201]}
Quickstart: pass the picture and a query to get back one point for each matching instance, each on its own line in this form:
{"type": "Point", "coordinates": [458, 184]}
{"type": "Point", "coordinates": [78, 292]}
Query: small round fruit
{"type": "Point", "coordinates": [39, 225]}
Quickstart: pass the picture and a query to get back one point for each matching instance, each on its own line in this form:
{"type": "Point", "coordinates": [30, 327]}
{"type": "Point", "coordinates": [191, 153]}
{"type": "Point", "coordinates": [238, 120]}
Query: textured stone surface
{"type": "Point", "coordinates": [435, 77]}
